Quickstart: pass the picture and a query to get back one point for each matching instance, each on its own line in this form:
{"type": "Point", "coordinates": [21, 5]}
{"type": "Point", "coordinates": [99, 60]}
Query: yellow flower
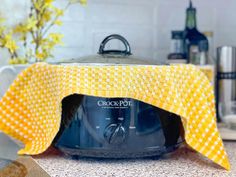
{"type": "Point", "coordinates": [58, 12]}
{"type": "Point", "coordinates": [10, 44]}
{"type": "Point", "coordinates": [48, 1]}
{"type": "Point", "coordinates": [58, 22]}
{"type": "Point", "coordinates": [31, 23]}
{"type": "Point", "coordinates": [47, 16]}
{"type": "Point", "coordinates": [17, 61]}
{"type": "Point", "coordinates": [20, 29]}
{"type": "Point", "coordinates": [34, 31]}
{"type": "Point", "coordinates": [56, 38]}
{"type": "Point", "coordinates": [83, 2]}
{"type": "Point", "coordinates": [41, 55]}
{"type": "Point", "coordinates": [37, 5]}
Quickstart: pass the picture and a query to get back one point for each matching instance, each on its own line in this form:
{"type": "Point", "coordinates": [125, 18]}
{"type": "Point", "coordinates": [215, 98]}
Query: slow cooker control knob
{"type": "Point", "coordinates": [114, 134]}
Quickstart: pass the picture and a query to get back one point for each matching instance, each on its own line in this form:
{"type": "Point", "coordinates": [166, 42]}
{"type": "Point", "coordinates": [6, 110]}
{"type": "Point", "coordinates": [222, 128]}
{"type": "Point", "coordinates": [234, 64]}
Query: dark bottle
{"type": "Point", "coordinates": [177, 48]}
{"type": "Point", "coordinates": [193, 39]}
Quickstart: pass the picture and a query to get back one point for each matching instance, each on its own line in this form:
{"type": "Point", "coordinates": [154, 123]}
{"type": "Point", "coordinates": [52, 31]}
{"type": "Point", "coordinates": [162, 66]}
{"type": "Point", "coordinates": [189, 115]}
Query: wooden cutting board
{"type": "Point", "coordinates": [17, 166]}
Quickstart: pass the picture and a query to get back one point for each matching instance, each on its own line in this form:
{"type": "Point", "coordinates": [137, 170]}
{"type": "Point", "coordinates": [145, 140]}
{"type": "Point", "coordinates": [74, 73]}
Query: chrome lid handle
{"type": "Point", "coordinates": [127, 50]}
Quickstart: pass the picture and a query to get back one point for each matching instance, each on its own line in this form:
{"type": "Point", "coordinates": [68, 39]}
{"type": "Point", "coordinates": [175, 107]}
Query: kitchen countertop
{"type": "Point", "coordinates": [183, 162]}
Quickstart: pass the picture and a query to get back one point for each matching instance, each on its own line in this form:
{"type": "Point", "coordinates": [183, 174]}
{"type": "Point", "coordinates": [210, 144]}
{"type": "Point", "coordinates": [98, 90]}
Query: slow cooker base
{"type": "Point", "coordinates": [108, 153]}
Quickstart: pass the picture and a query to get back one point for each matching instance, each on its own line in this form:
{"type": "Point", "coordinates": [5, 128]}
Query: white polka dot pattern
{"type": "Point", "coordinates": [30, 111]}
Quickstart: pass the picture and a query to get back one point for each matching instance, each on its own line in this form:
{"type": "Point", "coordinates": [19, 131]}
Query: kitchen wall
{"type": "Point", "coordinates": [146, 24]}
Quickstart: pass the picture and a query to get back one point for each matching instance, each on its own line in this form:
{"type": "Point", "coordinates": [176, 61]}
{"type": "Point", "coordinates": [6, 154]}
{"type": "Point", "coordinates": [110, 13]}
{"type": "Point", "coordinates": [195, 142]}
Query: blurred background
{"type": "Point", "coordinates": [147, 25]}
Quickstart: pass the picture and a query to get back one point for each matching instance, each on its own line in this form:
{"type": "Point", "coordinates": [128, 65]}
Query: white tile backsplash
{"type": "Point", "coordinates": [13, 11]}
{"type": "Point", "coordinates": [146, 24]}
{"type": "Point", "coordinates": [121, 14]}
{"type": "Point", "coordinates": [73, 33]}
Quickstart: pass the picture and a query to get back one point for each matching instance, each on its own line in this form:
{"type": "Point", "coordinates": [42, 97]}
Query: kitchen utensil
{"type": "Point", "coordinates": [115, 127]}
{"type": "Point", "coordinates": [13, 165]}
{"type": "Point", "coordinates": [226, 78]}
{"type": "Point", "coordinates": [31, 109]}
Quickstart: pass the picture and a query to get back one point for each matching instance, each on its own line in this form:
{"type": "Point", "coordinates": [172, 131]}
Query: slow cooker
{"type": "Point", "coordinates": [115, 127]}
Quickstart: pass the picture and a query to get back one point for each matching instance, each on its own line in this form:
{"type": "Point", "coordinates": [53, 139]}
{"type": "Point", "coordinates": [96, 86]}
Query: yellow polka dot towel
{"type": "Point", "coordinates": [30, 111]}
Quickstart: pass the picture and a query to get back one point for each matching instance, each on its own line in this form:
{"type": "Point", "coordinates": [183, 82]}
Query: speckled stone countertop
{"type": "Point", "coordinates": [183, 162]}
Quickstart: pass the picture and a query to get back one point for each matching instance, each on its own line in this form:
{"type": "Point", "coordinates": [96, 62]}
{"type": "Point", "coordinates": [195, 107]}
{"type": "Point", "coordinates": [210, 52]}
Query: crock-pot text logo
{"type": "Point", "coordinates": [112, 104]}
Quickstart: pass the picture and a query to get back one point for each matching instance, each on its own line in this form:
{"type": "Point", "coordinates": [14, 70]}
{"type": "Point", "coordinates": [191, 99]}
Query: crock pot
{"type": "Point", "coordinates": [115, 127]}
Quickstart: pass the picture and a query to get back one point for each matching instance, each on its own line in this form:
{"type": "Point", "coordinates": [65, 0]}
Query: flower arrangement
{"type": "Point", "coordinates": [33, 35]}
